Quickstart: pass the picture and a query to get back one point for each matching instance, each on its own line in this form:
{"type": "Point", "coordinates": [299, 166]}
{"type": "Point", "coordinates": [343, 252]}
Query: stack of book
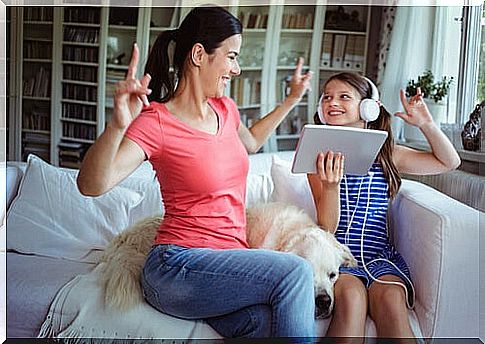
{"type": "Point", "coordinates": [71, 154]}
{"type": "Point", "coordinates": [343, 51]}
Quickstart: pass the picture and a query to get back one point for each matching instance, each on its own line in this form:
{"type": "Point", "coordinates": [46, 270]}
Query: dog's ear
{"type": "Point", "coordinates": [347, 256]}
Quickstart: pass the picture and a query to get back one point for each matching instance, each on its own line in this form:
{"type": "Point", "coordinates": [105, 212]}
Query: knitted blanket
{"type": "Point", "coordinates": [108, 302]}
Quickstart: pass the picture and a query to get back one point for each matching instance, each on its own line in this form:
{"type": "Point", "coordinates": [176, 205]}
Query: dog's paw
{"type": "Point", "coordinates": [350, 261]}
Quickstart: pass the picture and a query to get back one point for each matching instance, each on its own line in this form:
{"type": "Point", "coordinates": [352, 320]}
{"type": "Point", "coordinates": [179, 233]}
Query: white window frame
{"type": "Point", "coordinates": [469, 61]}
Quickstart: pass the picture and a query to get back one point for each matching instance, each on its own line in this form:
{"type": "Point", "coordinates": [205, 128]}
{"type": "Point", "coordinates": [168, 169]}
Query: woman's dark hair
{"type": "Point", "coordinates": [383, 122]}
{"type": "Point", "coordinates": [207, 25]}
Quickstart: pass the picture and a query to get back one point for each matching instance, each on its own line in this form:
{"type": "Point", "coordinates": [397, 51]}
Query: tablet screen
{"type": "Point", "coordinates": [359, 146]}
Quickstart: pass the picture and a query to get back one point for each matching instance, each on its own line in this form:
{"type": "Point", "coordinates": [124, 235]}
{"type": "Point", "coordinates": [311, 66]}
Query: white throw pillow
{"type": "Point", "coordinates": [50, 217]}
{"type": "Point", "coordinates": [258, 189]}
{"type": "Point", "coordinates": [291, 188]}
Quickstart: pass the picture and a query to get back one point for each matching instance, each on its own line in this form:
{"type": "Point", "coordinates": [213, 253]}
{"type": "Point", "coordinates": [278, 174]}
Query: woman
{"type": "Point", "coordinates": [355, 207]}
{"type": "Point", "coordinates": [200, 266]}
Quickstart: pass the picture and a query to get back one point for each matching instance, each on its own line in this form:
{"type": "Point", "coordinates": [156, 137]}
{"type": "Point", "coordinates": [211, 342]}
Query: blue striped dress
{"type": "Point", "coordinates": [360, 208]}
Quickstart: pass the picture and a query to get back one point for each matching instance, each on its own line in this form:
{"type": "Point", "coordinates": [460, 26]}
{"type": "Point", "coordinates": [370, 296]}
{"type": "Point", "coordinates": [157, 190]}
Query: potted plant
{"type": "Point", "coordinates": [435, 92]}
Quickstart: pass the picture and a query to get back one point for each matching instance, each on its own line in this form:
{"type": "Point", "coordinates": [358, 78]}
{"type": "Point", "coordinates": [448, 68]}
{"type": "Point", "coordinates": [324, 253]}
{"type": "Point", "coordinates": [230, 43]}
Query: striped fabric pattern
{"type": "Point", "coordinates": [376, 237]}
{"type": "Point", "coordinates": [363, 203]}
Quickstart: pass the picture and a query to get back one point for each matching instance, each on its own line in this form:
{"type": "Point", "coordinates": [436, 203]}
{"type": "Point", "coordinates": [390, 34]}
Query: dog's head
{"type": "Point", "coordinates": [326, 255]}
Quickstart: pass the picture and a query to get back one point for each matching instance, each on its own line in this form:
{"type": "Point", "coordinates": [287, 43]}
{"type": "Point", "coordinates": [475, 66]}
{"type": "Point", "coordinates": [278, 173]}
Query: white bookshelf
{"type": "Point", "coordinates": [84, 64]}
{"type": "Point", "coordinates": [302, 31]}
{"type": "Point", "coordinates": [33, 121]}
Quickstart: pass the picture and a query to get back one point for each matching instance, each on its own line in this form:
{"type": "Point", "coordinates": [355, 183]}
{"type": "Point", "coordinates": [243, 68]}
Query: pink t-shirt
{"type": "Point", "coordinates": [202, 176]}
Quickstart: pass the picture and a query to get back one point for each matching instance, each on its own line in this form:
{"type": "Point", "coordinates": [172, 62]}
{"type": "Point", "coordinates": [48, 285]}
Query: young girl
{"type": "Point", "coordinates": [354, 208]}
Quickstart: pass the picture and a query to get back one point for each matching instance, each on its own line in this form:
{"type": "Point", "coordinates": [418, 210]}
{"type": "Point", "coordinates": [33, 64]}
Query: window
{"type": "Point", "coordinates": [471, 82]}
{"type": "Point", "coordinates": [481, 66]}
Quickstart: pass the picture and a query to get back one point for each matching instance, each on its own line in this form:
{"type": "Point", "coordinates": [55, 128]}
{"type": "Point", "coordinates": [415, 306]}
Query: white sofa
{"type": "Point", "coordinates": [53, 235]}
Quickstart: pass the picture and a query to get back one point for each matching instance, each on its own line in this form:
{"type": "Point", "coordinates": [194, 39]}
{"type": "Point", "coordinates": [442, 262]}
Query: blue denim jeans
{"type": "Point", "coordinates": [239, 292]}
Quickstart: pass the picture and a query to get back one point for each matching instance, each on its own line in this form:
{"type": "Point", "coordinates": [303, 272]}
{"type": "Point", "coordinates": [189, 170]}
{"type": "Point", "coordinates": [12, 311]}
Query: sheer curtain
{"type": "Point", "coordinates": [422, 38]}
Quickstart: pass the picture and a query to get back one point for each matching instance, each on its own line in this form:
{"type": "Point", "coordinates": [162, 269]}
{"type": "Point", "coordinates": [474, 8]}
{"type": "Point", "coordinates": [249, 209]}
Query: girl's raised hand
{"type": "Point", "coordinates": [416, 112]}
{"type": "Point", "coordinates": [299, 83]}
{"type": "Point", "coordinates": [330, 168]}
{"type": "Point", "coordinates": [130, 95]}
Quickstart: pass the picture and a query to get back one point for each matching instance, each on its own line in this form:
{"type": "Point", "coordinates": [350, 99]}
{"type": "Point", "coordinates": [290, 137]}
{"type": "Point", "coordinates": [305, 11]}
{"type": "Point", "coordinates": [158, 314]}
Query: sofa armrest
{"type": "Point", "coordinates": [438, 238]}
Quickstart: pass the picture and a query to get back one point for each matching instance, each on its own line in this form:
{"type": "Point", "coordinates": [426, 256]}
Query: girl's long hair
{"type": "Point", "coordinates": [207, 25]}
{"type": "Point", "coordinates": [383, 122]}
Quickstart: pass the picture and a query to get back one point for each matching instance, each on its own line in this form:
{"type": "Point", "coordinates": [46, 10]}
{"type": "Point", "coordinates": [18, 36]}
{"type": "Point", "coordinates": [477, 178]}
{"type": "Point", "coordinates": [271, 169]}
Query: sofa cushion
{"type": "Point", "coordinates": [50, 217]}
{"type": "Point", "coordinates": [290, 187]}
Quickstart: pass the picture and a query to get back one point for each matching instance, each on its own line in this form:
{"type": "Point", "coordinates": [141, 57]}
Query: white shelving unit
{"type": "Point", "coordinates": [310, 31]}
{"type": "Point", "coordinates": [251, 89]}
{"type": "Point", "coordinates": [122, 31]}
{"type": "Point", "coordinates": [31, 80]}
{"type": "Point", "coordinates": [86, 50]}
{"type": "Point", "coordinates": [79, 103]}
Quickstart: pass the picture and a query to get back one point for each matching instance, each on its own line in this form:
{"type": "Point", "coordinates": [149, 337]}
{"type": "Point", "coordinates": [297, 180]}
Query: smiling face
{"type": "Point", "coordinates": [340, 104]}
{"type": "Point", "coordinates": [221, 66]}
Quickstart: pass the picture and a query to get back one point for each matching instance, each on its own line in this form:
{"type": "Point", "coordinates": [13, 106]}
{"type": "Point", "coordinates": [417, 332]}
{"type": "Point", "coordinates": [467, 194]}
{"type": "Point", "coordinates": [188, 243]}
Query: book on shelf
{"type": "Point", "coordinates": [40, 13]}
{"type": "Point", "coordinates": [326, 50]}
{"type": "Point", "coordinates": [81, 35]}
{"type": "Point", "coordinates": [354, 52]}
{"type": "Point", "coordinates": [37, 50]}
{"type": "Point", "coordinates": [244, 19]}
{"type": "Point", "coordinates": [70, 145]}
{"type": "Point", "coordinates": [359, 56]}
{"type": "Point", "coordinates": [297, 20]}
{"type": "Point", "coordinates": [81, 15]}
{"type": "Point", "coordinates": [253, 20]}
{"type": "Point", "coordinates": [41, 152]}
{"type": "Point", "coordinates": [38, 85]}
{"type": "Point", "coordinates": [285, 87]}
{"type": "Point", "coordinates": [78, 131]}
{"type": "Point", "coordinates": [75, 164]}
{"type": "Point", "coordinates": [71, 153]}
{"type": "Point", "coordinates": [338, 50]}
{"type": "Point", "coordinates": [37, 120]}
{"type": "Point", "coordinates": [37, 138]}
{"type": "Point", "coordinates": [246, 91]}
{"type": "Point", "coordinates": [82, 73]}
{"type": "Point", "coordinates": [77, 111]}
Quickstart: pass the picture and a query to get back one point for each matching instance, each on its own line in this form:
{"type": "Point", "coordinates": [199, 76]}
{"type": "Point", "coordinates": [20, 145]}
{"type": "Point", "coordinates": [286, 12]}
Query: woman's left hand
{"type": "Point", "coordinates": [299, 84]}
{"type": "Point", "coordinates": [416, 112]}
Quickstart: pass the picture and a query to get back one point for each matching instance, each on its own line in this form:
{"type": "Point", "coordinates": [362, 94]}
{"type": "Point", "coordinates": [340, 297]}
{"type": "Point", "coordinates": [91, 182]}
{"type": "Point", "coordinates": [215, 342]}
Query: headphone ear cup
{"type": "Point", "coordinates": [369, 110]}
{"type": "Point", "coordinates": [320, 111]}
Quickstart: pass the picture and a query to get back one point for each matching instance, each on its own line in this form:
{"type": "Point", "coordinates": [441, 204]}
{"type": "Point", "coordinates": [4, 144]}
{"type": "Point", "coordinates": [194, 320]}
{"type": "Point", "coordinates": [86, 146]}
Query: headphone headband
{"type": "Point", "coordinates": [374, 90]}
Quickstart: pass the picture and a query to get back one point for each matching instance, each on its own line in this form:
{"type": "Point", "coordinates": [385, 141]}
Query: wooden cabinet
{"type": "Point", "coordinates": [67, 61]}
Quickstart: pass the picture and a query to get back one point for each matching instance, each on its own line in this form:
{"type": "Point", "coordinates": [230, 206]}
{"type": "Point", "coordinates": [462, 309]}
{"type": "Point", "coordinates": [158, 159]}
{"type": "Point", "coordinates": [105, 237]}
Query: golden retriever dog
{"type": "Point", "coordinates": [274, 226]}
{"type": "Point", "coordinates": [286, 228]}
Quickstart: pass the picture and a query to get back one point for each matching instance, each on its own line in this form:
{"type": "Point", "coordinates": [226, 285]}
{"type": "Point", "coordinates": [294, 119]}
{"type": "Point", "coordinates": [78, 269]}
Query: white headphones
{"type": "Point", "coordinates": [369, 108]}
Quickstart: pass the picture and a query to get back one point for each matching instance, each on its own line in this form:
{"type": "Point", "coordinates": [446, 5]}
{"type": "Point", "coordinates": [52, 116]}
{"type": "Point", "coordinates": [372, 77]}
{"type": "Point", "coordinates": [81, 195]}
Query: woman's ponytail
{"type": "Point", "coordinates": [162, 81]}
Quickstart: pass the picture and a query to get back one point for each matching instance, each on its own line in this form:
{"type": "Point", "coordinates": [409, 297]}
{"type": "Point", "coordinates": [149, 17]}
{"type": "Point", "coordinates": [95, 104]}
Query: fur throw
{"type": "Point", "coordinates": [122, 263]}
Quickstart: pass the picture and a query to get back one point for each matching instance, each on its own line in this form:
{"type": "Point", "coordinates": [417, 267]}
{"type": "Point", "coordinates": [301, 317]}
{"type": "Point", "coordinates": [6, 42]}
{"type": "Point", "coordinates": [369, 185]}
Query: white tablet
{"type": "Point", "coordinates": [359, 146]}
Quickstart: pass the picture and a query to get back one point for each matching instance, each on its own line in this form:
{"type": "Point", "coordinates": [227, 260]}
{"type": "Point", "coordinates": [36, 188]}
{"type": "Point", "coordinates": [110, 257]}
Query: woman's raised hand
{"type": "Point", "coordinates": [416, 112]}
{"type": "Point", "coordinates": [330, 168]}
{"type": "Point", "coordinates": [130, 95]}
{"type": "Point", "coordinates": [299, 83]}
